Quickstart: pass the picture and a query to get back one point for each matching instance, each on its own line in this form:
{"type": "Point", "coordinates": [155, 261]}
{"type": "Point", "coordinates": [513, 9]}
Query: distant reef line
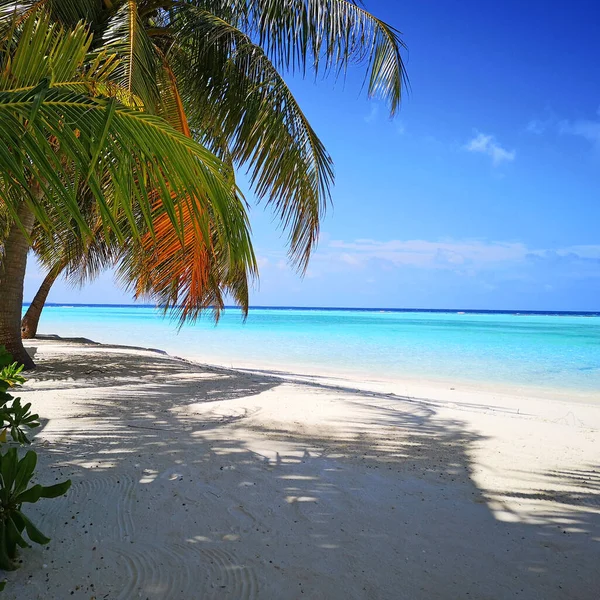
{"type": "Point", "coordinates": [466, 311]}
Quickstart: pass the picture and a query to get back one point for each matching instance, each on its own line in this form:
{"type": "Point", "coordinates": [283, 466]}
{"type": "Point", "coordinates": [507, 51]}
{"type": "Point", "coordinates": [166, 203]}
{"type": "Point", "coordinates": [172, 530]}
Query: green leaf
{"type": "Point", "coordinates": [56, 490]}
{"type": "Point", "coordinates": [126, 36]}
{"type": "Point", "coordinates": [13, 535]}
{"type": "Point", "coordinates": [38, 94]}
{"type": "Point", "coordinates": [101, 141]}
{"type": "Point", "coordinates": [8, 468]}
{"type": "Point", "coordinates": [34, 493]}
{"type": "Point", "coordinates": [142, 161]}
{"type": "Point", "coordinates": [35, 535]}
{"type": "Point", "coordinates": [31, 495]}
{"type": "Point", "coordinates": [10, 376]}
{"type": "Point", "coordinates": [18, 521]}
{"type": "Point", "coordinates": [25, 471]}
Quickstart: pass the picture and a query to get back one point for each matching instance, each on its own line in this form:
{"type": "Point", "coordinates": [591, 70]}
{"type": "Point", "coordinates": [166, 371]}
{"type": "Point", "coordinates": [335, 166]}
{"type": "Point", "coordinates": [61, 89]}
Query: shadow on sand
{"type": "Point", "coordinates": [190, 502]}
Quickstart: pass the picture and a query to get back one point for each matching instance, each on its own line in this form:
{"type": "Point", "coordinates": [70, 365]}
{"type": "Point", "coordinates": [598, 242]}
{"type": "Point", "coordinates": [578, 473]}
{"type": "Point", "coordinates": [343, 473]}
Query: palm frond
{"type": "Point", "coordinates": [66, 249]}
{"type": "Point", "coordinates": [171, 104]}
{"type": "Point", "coordinates": [63, 140]}
{"type": "Point", "coordinates": [238, 103]}
{"type": "Point", "coordinates": [209, 70]}
{"type": "Point", "coordinates": [184, 274]}
{"type": "Point", "coordinates": [125, 35]}
{"type": "Point", "coordinates": [68, 12]}
{"type": "Point", "coordinates": [324, 36]}
{"type": "Point", "coordinates": [184, 277]}
{"type": "Point", "coordinates": [45, 51]}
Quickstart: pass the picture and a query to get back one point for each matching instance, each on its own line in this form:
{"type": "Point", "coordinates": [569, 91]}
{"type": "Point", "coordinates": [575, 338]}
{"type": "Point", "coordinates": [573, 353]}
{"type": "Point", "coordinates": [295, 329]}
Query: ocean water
{"type": "Point", "coordinates": [557, 351]}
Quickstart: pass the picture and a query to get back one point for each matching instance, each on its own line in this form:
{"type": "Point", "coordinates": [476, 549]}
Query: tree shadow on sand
{"type": "Point", "coordinates": [195, 494]}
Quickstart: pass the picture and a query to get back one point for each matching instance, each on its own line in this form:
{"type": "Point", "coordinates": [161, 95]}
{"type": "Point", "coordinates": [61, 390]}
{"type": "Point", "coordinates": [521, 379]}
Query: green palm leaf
{"type": "Point", "coordinates": [238, 101]}
{"type": "Point", "coordinates": [322, 35]}
{"type": "Point", "coordinates": [126, 37]}
{"type": "Point", "coordinates": [209, 70]}
{"type": "Point", "coordinates": [62, 139]}
{"type": "Point", "coordinates": [68, 12]}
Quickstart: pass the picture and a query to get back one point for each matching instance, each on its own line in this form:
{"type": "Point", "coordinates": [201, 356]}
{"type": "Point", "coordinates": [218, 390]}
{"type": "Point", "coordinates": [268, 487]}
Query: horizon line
{"type": "Point", "coordinates": [344, 308]}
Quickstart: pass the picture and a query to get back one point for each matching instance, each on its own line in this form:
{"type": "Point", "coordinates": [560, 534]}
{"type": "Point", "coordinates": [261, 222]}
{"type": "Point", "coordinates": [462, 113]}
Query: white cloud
{"type": "Point", "coordinates": [486, 144]}
{"type": "Point", "coordinates": [467, 257]}
{"type": "Point", "coordinates": [587, 129]}
{"type": "Point", "coordinates": [589, 251]}
{"type": "Point", "coordinates": [540, 125]}
{"type": "Point", "coordinates": [373, 113]}
{"type": "Point", "coordinates": [427, 254]}
{"type": "Point", "coordinates": [262, 261]}
{"type": "Point", "coordinates": [350, 259]}
{"type": "Point", "coordinates": [470, 258]}
{"type": "Point", "coordinates": [537, 126]}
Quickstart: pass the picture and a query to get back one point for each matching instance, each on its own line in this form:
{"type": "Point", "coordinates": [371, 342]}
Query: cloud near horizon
{"type": "Point", "coordinates": [465, 256]}
{"type": "Point", "coordinates": [427, 273]}
{"type": "Point", "coordinates": [427, 254]}
{"type": "Point", "coordinates": [486, 144]}
{"type": "Point", "coordinates": [488, 274]}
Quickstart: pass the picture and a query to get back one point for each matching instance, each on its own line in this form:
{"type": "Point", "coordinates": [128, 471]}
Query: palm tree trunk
{"type": "Point", "coordinates": [30, 322]}
{"type": "Point", "coordinates": [13, 262]}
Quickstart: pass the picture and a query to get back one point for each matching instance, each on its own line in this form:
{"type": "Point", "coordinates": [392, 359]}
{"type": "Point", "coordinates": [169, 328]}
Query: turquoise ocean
{"type": "Point", "coordinates": [559, 351]}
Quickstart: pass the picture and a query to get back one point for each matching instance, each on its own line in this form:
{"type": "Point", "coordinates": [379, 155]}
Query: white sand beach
{"type": "Point", "coordinates": [192, 482]}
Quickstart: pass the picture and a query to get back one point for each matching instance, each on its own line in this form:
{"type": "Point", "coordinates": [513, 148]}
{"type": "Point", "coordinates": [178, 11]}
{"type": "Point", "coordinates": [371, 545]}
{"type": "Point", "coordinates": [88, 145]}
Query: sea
{"type": "Point", "coordinates": [556, 351]}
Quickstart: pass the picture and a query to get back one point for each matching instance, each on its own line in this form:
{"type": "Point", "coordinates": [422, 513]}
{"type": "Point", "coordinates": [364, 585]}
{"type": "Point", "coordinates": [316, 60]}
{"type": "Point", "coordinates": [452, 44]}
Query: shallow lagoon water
{"type": "Point", "coordinates": [557, 351]}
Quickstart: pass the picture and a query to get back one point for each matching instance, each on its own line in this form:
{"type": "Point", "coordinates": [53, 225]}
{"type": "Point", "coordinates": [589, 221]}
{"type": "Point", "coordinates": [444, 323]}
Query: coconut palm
{"type": "Point", "coordinates": [79, 260]}
{"type": "Point", "coordinates": [66, 127]}
{"type": "Point", "coordinates": [212, 69]}
{"type": "Point", "coordinates": [68, 253]}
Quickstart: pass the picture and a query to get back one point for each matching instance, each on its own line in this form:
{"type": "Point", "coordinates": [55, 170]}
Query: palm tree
{"type": "Point", "coordinates": [66, 127]}
{"type": "Point", "coordinates": [31, 319]}
{"type": "Point", "coordinates": [80, 260]}
{"type": "Point", "coordinates": [66, 252]}
{"type": "Point", "coordinates": [211, 68]}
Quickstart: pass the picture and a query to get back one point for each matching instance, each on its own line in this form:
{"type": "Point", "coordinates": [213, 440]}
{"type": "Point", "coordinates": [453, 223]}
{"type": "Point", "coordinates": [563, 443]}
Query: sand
{"type": "Point", "coordinates": [192, 482]}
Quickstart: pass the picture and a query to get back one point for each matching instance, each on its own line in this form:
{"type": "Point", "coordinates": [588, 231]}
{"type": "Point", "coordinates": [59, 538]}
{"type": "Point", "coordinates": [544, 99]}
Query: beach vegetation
{"type": "Point", "coordinates": [17, 472]}
{"type": "Point", "coordinates": [212, 70]}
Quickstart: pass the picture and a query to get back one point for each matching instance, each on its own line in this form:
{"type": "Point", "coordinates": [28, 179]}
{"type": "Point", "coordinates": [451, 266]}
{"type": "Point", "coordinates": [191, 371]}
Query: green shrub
{"type": "Point", "coordinates": [16, 473]}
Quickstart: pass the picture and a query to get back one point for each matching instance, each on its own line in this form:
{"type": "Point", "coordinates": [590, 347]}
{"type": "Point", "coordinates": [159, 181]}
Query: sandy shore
{"type": "Point", "coordinates": [200, 483]}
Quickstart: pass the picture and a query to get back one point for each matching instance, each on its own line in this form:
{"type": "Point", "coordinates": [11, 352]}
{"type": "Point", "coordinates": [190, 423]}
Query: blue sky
{"type": "Point", "coordinates": [482, 193]}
